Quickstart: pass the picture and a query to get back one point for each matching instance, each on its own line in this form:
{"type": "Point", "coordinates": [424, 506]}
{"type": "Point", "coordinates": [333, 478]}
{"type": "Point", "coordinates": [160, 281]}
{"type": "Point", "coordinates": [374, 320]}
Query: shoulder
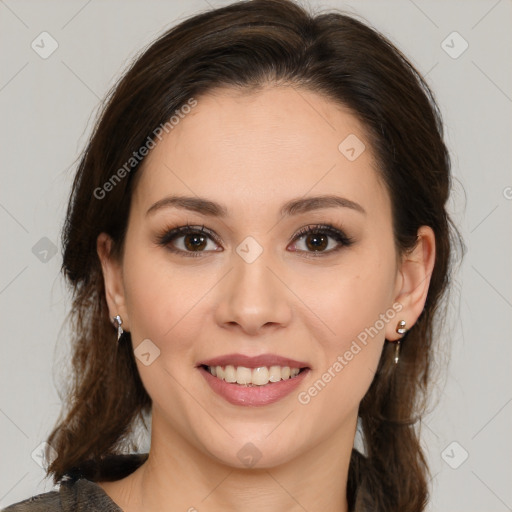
{"type": "Point", "coordinates": [45, 501]}
{"type": "Point", "coordinates": [79, 492]}
{"type": "Point", "coordinates": [80, 495]}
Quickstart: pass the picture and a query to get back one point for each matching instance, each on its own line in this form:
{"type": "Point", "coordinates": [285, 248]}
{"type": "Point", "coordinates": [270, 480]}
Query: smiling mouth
{"type": "Point", "coordinates": [260, 376]}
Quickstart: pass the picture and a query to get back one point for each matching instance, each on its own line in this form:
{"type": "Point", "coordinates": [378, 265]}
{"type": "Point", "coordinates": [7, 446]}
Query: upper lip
{"type": "Point", "coordinates": [253, 362]}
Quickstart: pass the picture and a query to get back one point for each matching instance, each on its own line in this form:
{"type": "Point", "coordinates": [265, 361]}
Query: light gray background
{"type": "Point", "coordinates": [47, 111]}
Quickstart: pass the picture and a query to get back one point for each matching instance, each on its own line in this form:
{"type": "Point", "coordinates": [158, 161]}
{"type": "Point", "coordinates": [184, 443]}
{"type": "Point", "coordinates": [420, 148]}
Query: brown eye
{"type": "Point", "coordinates": [316, 239]}
{"type": "Point", "coordinates": [194, 242]}
{"type": "Point", "coordinates": [317, 242]}
{"type": "Point", "coordinates": [188, 240]}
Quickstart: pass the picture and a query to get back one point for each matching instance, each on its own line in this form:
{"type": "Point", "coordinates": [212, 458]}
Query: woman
{"type": "Point", "coordinates": [259, 248]}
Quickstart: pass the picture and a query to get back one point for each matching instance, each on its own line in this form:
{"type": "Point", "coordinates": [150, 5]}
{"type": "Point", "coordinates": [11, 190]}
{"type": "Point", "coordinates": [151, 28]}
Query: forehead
{"type": "Point", "coordinates": [279, 142]}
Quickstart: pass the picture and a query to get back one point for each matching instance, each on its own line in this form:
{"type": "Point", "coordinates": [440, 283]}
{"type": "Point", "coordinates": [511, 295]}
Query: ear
{"type": "Point", "coordinates": [413, 281]}
{"type": "Point", "coordinates": [113, 279]}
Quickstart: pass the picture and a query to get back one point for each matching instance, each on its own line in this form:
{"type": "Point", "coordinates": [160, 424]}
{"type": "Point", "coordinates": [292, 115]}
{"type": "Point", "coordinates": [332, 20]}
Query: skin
{"type": "Point", "coordinates": [252, 152]}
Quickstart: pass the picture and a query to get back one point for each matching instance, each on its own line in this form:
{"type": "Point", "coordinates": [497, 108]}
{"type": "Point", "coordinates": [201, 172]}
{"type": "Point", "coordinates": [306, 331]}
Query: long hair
{"type": "Point", "coordinates": [246, 45]}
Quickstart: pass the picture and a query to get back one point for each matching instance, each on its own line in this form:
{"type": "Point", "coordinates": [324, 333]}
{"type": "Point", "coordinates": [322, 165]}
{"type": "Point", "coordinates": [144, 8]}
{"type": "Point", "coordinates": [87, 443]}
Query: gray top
{"type": "Point", "coordinates": [77, 493]}
{"type": "Point", "coordinates": [80, 495]}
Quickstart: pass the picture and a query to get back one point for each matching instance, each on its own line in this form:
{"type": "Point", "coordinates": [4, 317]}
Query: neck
{"type": "Point", "coordinates": [178, 477]}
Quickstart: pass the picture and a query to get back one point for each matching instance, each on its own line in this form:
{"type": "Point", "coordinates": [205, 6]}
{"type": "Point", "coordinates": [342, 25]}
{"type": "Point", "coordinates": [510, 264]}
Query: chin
{"type": "Point", "coordinates": [253, 452]}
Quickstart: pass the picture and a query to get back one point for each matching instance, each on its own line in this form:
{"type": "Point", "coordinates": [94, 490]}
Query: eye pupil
{"type": "Point", "coordinates": [318, 241]}
{"type": "Point", "coordinates": [198, 243]}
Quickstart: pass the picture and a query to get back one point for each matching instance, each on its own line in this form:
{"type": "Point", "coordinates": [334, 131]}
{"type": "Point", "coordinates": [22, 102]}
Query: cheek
{"type": "Point", "coordinates": [164, 306]}
{"type": "Point", "coordinates": [352, 299]}
{"type": "Point", "coordinates": [350, 352]}
{"type": "Point", "coordinates": [151, 292]}
{"type": "Point", "coordinates": [160, 308]}
{"type": "Point", "coordinates": [354, 315]}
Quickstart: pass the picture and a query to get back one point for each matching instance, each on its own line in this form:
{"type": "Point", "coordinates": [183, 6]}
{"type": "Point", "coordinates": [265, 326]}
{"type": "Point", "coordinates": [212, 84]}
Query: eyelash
{"type": "Point", "coordinates": [171, 234]}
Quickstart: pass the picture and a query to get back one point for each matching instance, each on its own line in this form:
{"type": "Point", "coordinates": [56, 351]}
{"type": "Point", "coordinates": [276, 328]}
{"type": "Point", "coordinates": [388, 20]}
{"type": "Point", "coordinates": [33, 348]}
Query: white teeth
{"type": "Point", "coordinates": [243, 375]}
{"type": "Point", "coordinates": [260, 376]}
{"type": "Point", "coordinates": [253, 376]}
{"type": "Point", "coordinates": [275, 373]}
{"type": "Point", "coordinates": [230, 373]}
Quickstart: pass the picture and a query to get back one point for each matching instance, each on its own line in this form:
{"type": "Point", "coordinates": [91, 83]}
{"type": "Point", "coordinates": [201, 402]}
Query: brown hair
{"type": "Point", "coordinates": [247, 45]}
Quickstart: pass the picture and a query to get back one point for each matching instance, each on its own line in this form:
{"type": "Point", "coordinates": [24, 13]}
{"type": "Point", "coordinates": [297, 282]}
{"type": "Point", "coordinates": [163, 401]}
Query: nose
{"type": "Point", "coordinates": [253, 297]}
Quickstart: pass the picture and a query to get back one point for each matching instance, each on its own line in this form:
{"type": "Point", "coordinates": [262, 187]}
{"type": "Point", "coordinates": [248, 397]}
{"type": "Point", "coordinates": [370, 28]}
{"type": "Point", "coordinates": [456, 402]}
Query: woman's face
{"type": "Point", "coordinates": [251, 284]}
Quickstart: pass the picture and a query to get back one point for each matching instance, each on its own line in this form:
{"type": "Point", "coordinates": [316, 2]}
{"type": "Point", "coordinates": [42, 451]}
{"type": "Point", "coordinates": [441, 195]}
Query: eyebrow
{"type": "Point", "coordinates": [292, 207]}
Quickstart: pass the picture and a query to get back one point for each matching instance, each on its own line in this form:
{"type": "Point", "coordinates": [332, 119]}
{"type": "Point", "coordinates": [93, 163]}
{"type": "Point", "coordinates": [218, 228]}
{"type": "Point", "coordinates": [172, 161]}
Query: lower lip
{"type": "Point", "coordinates": [237, 394]}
